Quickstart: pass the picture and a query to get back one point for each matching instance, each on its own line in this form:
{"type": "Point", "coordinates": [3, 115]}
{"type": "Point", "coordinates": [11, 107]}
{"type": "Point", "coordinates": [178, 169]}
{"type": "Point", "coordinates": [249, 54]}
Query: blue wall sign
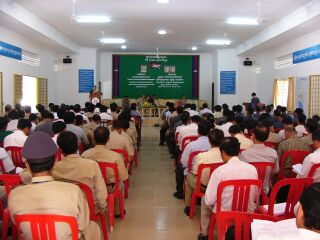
{"type": "Point", "coordinates": [306, 54]}
{"type": "Point", "coordinates": [86, 80]}
{"type": "Point", "coordinates": [10, 51]}
{"type": "Point", "coordinates": [227, 82]}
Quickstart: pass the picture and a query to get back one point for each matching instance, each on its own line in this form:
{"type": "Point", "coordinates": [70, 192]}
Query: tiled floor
{"type": "Point", "coordinates": [152, 211]}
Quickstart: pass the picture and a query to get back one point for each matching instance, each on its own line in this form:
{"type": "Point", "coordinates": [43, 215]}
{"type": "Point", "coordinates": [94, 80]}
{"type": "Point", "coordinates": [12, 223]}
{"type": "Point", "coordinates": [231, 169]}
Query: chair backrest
{"type": "Point", "coordinates": [43, 225]}
{"type": "Point", "coordinates": [241, 193]}
{"type": "Point", "coordinates": [124, 154]}
{"type": "Point", "coordinates": [80, 148]}
{"type": "Point", "coordinates": [262, 169]}
{"type": "Point", "coordinates": [16, 156]}
{"type": "Point", "coordinates": [314, 168]}
{"type": "Point", "coordinates": [191, 157]}
{"type": "Point", "coordinates": [296, 156]}
{"type": "Point", "coordinates": [211, 167]}
{"type": "Point", "coordinates": [10, 181]}
{"type": "Point", "coordinates": [137, 121]}
{"type": "Point", "coordinates": [104, 166]}
{"type": "Point", "coordinates": [271, 145]}
{"type": "Point", "coordinates": [241, 222]}
{"type": "Point", "coordinates": [59, 155]}
{"type": "Point", "coordinates": [296, 186]}
{"type": "Point", "coordinates": [90, 198]}
{"type": "Point", "coordinates": [176, 137]}
{"type": "Point", "coordinates": [1, 144]}
{"type": "Point", "coordinates": [187, 140]}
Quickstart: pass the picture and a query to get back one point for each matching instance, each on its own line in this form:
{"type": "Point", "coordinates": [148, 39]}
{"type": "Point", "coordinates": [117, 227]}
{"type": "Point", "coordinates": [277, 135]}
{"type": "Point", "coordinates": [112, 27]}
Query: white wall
{"type": "Point", "coordinates": [9, 66]}
{"type": "Point", "coordinates": [207, 77]}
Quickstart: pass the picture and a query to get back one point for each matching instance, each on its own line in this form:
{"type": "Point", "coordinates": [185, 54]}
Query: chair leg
{"type": "Point", "coordinates": [192, 205]}
{"type": "Point", "coordinates": [104, 226]}
{"type": "Point", "coordinates": [126, 189]}
{"type": "Point", "coordinates": [5, 224]}
{"type": "Point", "coordinates": [211, 226]}
{"type": "Point", "coordinates": [111, 211]}
{"type": "Point", "coordinates": [121, 203]}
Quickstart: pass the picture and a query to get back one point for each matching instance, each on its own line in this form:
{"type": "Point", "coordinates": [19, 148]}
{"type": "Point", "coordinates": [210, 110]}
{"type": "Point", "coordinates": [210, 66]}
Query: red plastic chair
{"type": "Point", "coordinates": [9, 181]}
{"type": "Point", "coordinates": [187, 140]}
{"type": "Point", "coordinates": [271, 145]}
{"type": "Point", "coordinates": [126, 161]}
{"type": "Point", "coordinates": [93, 215]}
{"type": "Point", "coordinates": [296, 158]}
{"type": "Point", "coordinates": [296, 187]}
{"type": "Point", "coordinates": [240, 198]}
{"type": "Point", "coordinates": [80, 148]}
{"type": "Point", "coordinates": [241, 221]}
{"type": "Point", "coordinates": [116, 194]}
{"type": "Point", "coordinates": [277, 130]}
{"type": "Point", "coordinates": [192, 155]}
{"type": "Point", "coordinates": [262, 170]}
{"type": "Point", "coordinates": [138, 122]}
{"type": "Point", "coordinates": [59, 155]}
{"type": "Point", "coordinates": [314, 168]}
{"type": "Point", "coordinates": [43, 225]}
{"type": "Point", "coordinates": [1, 144]}
{"type": "Point", "coordinates": [197, 191]}
{"type": "Point", "coordinates": [16, 156]}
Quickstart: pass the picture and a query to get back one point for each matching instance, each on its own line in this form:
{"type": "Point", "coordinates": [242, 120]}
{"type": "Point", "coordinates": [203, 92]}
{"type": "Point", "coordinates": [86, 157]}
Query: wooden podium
{"type": "Point", "coordinates": [94, 96]}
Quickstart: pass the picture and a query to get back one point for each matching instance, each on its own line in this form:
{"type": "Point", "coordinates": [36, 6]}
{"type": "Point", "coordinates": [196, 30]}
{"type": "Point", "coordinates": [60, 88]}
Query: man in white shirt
{"type": "Point", "coordinates": [193, 110]}
{"type": "Point", "coordinates": [312, 158]}
{"type": "Point", "coordinates": [201, 144]}
{"type": "Point", "coordinates": [307, 217]}
{"type": "Point", "coordinates": [287, 122]}
{"type": "Point", "coordinates": [58, 127]}
{"type": "Point", "coordinates": [300, 128]}
{"type": "Point", "coordinates": [217, 112]}
{"type": "Point", "coordinates": [236, 131]}
{"type": "Point", "coordinates": [260, 153]}
{"type": "Point", "coordinates": [19, 136]}
{"type": "Point", "coordinates": [205, 109]}
{"type": "Point", "coordinates": [233, 169]}
{"type": "Point", "coordinates": [104, 115]}
{"type": "Point", "coordinates": [13, 115]}
{"type": "Point", "coordinates": [189, 130]}
{"type": "Point", "coordinates": [6, 161]}
{"type": "Point", "coordinates": [212, 156]}
{"type": "Point", "coordinates": [225, 127]}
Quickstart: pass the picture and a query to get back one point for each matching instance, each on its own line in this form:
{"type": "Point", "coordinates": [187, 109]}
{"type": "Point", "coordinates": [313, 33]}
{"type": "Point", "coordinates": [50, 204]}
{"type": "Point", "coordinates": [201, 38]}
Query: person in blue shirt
{"type": "Point", "coordinates": [255, 101]}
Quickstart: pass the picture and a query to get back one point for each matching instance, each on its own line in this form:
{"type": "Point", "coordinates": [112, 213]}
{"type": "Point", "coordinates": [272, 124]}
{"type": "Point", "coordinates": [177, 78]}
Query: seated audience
{"type": "Point", "coordinates": [46, 124]}
{"type": "Point", "coordinates": [212, 156]}
{"type": "Point", "coordinates": [6, 161]}
{"type": "Point", "coordinates": [312, 158]}
{"type": "Point", "coordinates": [47, 196]}
{"type": "Point", "coordinates": [13, 117]}
{"type": "Point", "coordinates": [74, 168]}
{"type": "Point", "coordinates": [307, 217]}
{"type": "Point", "coordinates": [287, 122]}
{"type": "Point", "coordinates": [113, 108]}
{"type": "Point", "coordinates": [230, 121]}
{"type": "Point", "coordinates": [291, 142]}
{"type": "Point", "coordinates": [300, 128]}
{"type": "Point", "coordinates": [104, 115]}
{"type": "Point", "coordinates": [89, 132]}
{"type": "Point", "coordinates": [58, 127]}
{"type": "Point", "coordinates": [201, 144]}
{"type": "Point", "coordinates": [311, 126]}
{"type": "Point", "coordinates": [233, 169]}
{"type": "Point", "coordinates": [70, 120]}
{"type": "Point", "coordinates": [273, 137]}
{"type": "Point", "coordinates": [205, 109]}
{"type": "Point", "coordinates": [260, 153]}
{"type": "Point", "coordinates": [189, 130]}
{"type": "Point", "coordinates": [217, 112]}
{"type": "Point", "coordinates": [77, 111]}
{"type": "Point", "coordinates": [277, 119]}
{"type": "Point", "coordinates": [193, 110]}
{"type": "Point", "coordinates": [19, 136]}
{"type": "Point", "coordinates": [3, 126]}
{"type": "Point", "coordinates": [134, 111]}
{"type": "Point", "coordinates": [118, 140]}
{"type": "Point", "coordinates": [101, 154]}
{"type": "Point", "coordinates": [7, 109]}
{"type": "Point", "coordinates": [236, 131]}
{"type": "Point", "coordinates": [34, 121]}
{"type": "Point", "coordinates": [94, 123]}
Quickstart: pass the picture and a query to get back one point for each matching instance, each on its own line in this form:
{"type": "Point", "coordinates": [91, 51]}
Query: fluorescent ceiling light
{"type": "Point", "coordinates": [163, 1]}
{"type": "Point", "coordinates": [92, 19]}
{"type": "Point", "coordinates": [112, 40]}
{"type": "Point", "coordinates": [123, 47]}
{"type": "Point", "coordinates": [218, 42]}
{"type": "Point", "coordinates": [194, 48]}
{"type": "Point", "coordinates": [162, 32]}
{"type": "Point", "coordinates": [242, 21]}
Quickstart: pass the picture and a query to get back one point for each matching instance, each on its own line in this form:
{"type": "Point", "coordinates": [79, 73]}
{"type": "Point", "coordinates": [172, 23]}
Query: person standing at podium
{"type": "Point", "coordinates": [255, 101]}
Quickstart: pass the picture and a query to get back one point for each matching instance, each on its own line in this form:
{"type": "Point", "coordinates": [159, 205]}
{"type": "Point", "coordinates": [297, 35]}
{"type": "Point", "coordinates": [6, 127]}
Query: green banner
{"type": "Point", "coordinates": [168, 76]}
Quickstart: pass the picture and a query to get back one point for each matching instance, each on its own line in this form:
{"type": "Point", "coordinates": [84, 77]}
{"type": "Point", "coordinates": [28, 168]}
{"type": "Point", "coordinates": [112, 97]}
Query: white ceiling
{"type": "Point", "coordinates": [189, 22]}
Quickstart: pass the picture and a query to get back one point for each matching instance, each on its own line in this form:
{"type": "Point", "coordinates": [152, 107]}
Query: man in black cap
{"type": "Point", "coordinates": [46, 196]}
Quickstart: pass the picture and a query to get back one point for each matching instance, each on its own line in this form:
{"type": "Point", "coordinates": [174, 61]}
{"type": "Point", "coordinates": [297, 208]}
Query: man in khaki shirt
{"type": "Point", "coordinates": [212, 156]}
{"type": "Point", "coordinates": [94, 123]}
{"type": "Point", "coordinates": [47, 196]}
{"type": "Point", "coordinates": [101, 154]}
{"type": "Point", "coordinates": [119, 141]}
{"type": "Point", "coordinates": [236, 131]}
{"type": "Point", "coordinates": [74, 168]}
